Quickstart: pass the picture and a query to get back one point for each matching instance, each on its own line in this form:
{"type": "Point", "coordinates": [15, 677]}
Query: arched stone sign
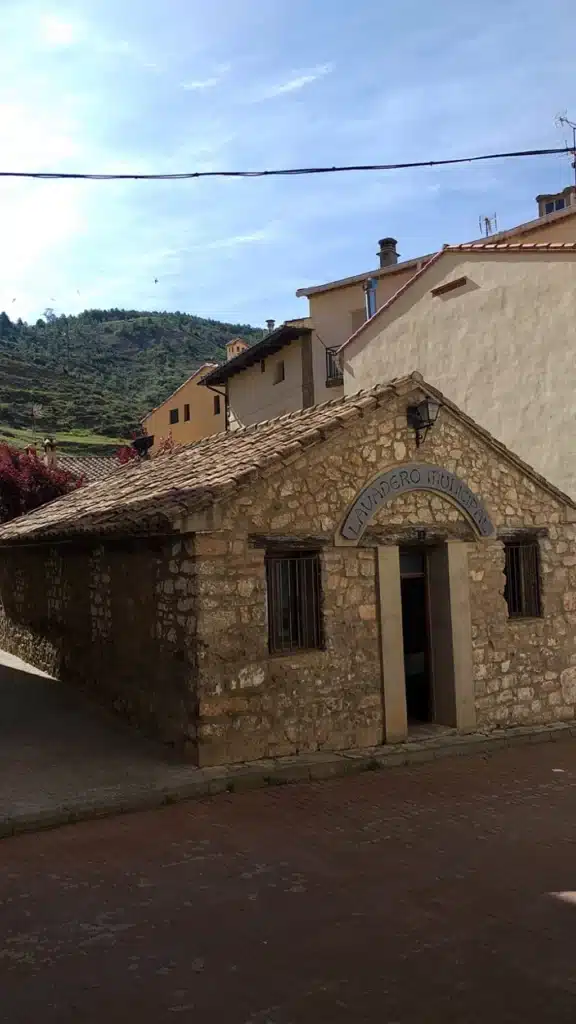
{"type": "Point", "coordinates": [415, 477]}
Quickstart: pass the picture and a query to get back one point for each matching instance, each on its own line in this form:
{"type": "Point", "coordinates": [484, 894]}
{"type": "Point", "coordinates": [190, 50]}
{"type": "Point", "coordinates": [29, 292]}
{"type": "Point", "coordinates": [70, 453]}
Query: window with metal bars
{"type": "Point", "coordinates": [522, 571]}
{"type": "Point", "coordinates": [294, 601]}
{"type": "Point", "coordinates": [333, 369]}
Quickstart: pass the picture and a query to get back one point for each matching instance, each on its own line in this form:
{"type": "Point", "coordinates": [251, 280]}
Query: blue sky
{"type": "Point", "coordinates": [124, 85]}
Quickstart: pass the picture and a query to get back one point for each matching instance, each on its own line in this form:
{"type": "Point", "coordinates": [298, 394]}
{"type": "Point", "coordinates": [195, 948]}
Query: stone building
{"type": "Point", "coordinates": [322, 581]}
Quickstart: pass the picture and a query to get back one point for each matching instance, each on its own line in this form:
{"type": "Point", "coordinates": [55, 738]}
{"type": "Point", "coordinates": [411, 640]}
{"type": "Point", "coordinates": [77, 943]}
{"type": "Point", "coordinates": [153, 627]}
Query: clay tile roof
{"type": "Point", "coordinates": [149, 496]}
{"type": "Point", "coordinates": [511, 247]}
{"type": "Point", "coordinates": [89, 467]}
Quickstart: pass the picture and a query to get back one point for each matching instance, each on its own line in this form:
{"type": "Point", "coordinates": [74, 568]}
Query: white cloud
{"type": "Point", "coordinates": [199, 84]}
{"type": "Point", "coordinates": [56, 32]}
{"type": "Point", "coordinates": [206, 83]}
{"type": "Point", "coordinates": [266, 234]}
{"type": "Point", "coordinates": [298, 82]}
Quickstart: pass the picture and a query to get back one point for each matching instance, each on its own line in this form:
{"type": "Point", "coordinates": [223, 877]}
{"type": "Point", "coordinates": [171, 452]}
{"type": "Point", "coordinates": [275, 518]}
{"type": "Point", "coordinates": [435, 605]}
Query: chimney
{"type": "Point", "coordinates": [270, 325]}
{"type": "Point", "coordinates": [49, 452]}
{"type": "Point", "coordinates": [554, 201]}
{"type": "Point", "coordinates": [387, 252]}
{"type": "Point", "coordinates": [235, 347]}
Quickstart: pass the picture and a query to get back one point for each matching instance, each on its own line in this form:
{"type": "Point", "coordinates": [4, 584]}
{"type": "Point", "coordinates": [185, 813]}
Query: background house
{"type": "Point", "coordinates": [338, 309]}
{"type": "Point", "coordinates": [189, 413]}
{"type": "Point", "coordinates": [492, 324]}
{"type": "Point", "coordinates": [289, 369]}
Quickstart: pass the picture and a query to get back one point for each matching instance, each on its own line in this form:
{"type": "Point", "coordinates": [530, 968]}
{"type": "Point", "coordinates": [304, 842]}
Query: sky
{"type": "Point", "coordinates": [121, 86]}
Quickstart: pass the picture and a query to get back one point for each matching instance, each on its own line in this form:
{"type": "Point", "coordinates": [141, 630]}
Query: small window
{"type": "Point", "coordinates": [216, 405]}
{"type": "Point", "coordinates": [559, 204]}
{"type": "Point", "coordinates": [522, 571]}
{"type": "Point", "coordinates": [294, 602]}
{"type": "Point", "coordinates": [262, 366]}
{"type": "Point", "coordinates": [186, 412]}
{"type": "Point", "coordinates": [549, 208]}
{"type": "Point", "coordinates": [279, 372]}
{"type": "Point", "coordinates": [174, 415]}
{"type": "Point", "coordinates": [333, 371]}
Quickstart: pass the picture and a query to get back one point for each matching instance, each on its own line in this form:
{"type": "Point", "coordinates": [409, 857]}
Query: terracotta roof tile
{"type": "Point", "coordinates": [90, 467]}
{"type": "Point", "coordinates": [511, 247]}
{"type": "Point", "coordinates": [148, 496]}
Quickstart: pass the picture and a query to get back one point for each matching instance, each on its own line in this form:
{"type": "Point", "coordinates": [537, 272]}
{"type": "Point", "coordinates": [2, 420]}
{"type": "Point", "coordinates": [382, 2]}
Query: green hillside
{"type": "Point", "coordinates": [88, 379]}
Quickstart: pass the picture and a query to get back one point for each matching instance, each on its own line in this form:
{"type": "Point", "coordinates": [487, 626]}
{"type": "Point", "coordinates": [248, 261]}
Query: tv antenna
{"type": "Point", "coordinates": [564, 122]}
{"type": "Point", "coordinates": [488, 225]}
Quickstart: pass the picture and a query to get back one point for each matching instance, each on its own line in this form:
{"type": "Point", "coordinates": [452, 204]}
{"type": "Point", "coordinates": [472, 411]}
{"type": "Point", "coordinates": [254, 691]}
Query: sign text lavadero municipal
{"type": "Point", "coordinates": [414, 477]}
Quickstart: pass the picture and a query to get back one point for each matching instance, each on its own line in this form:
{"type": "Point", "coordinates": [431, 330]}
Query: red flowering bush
{"type": "Point", "coordinates": [26, 482]}
{"type": "Point", "coordinates": [126, 454]}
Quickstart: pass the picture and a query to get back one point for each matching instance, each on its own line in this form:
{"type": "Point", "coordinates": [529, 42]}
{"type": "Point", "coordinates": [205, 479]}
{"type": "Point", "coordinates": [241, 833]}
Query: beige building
{"type": "Point", "coordinates": [296, 366]}
{"type": "Point", "coordinates": [191, 412]}
{"type": "Point", "coordinates": [288, 369]}
{"type": "Point", "coordinates": [317, 582]}
{"type": "Point", "coordinates": [493, 324]}
{"type": "Point", "coordinates": [338, 308]}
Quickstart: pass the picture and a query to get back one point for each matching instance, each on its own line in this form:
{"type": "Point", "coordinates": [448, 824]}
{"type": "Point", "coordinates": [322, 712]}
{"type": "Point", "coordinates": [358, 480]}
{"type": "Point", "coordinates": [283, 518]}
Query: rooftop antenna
{"type": "Point", "coordinates": [488, 225]}
{"type": "Point", "coordinates": [563, 121]}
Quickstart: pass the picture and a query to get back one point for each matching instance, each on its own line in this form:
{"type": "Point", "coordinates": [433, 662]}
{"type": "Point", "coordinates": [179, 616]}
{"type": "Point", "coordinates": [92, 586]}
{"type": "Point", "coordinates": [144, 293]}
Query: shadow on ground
{"type": "Point", "coordinates": [57, 749]}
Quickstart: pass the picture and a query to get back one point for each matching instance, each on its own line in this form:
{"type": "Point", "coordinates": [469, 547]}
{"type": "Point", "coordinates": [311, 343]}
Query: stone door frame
{"type": "Point", "coordinates": [452, 660]}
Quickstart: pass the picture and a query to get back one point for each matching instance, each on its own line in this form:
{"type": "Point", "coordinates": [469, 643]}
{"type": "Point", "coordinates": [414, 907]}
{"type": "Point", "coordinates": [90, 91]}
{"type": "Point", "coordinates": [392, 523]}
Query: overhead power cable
{"type": "Point", "coordinates": [287, 171]}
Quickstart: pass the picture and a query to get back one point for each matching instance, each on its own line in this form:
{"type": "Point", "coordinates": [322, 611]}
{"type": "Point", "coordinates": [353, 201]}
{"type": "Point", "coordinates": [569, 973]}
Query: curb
{"type": "Point", "coordinates": [240, 778]}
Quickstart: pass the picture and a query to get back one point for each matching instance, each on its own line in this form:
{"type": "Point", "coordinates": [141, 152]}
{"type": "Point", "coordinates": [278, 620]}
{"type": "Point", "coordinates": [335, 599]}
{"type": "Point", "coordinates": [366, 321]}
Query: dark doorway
{"type": "Point", "coordinates": [416, 634]}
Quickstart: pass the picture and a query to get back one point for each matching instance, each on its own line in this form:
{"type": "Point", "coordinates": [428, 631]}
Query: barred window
{"type": "Point", "coordinates": [333, 371]}
{"type": "Point", "coordinates": [294, 601]}
{"type": "Point", "coordinates": [522, 570]}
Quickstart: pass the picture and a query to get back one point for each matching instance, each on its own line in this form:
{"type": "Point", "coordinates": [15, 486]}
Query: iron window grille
{"type": "Point", "coordinates": [522, 570]}
{"type": "Point", "coordinates": [333, 372]}
{"type": "Point", "coordinates": [293, 583]}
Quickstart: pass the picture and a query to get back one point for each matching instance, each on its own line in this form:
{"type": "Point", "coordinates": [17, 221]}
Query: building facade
{"type": "Point", "coordinates": [338, 309]}
{"type": "Point", "coordinates": [190, 413]}
{"type": "Point", "coordinates": [493, 325]}
{"type": "Point", "coordinates": [328, 580]}
{"type": "Point", "coordinates": [289, 369]}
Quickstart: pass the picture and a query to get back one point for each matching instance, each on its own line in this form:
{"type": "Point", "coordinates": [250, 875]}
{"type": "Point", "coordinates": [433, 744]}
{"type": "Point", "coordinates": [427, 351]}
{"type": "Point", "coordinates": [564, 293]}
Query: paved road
{"type": "Point", "coordinates": [411, 896]}
{"type": "Point", "coordinates": [58, 749]}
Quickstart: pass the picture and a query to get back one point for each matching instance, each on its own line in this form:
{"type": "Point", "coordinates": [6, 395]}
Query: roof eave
{"type": "Point", "coordinates": [261, 350]}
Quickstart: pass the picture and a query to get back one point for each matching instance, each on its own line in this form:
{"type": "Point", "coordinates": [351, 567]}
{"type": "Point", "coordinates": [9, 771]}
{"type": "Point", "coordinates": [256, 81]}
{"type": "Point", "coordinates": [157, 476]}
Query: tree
{"type": "Point", "coordinates": [26, 482]}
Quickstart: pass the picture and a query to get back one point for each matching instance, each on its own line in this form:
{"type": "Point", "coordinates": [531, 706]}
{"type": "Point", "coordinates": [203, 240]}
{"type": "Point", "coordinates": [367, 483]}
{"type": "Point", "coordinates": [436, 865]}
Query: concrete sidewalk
{"type": "Point", "coordinates": [64, 760]}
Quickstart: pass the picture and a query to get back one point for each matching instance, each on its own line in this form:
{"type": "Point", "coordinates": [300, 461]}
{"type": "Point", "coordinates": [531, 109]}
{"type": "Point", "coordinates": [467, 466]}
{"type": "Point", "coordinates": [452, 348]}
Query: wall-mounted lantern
{"type": "Point", "coordinates": [422, 417]}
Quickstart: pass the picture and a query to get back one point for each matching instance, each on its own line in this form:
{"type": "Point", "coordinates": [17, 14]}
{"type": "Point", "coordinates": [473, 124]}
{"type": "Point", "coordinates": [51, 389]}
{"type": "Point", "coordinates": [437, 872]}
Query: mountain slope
{"type": "Point", "coordinates": [89, 379]}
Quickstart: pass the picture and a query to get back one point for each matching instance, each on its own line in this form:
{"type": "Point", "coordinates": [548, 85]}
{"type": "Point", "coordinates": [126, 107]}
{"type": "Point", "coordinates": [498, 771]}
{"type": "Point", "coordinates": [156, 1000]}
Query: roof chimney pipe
{"type": "Point", "coordinates": [387, 252]}
{"type": "Point", "coordinates": [50, 457]}
{"type": "Point", "coordinates": [270, 325]}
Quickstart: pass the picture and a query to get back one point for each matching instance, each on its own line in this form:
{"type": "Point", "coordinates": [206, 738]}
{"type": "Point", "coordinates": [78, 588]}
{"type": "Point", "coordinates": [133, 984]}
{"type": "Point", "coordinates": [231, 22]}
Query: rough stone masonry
{"type": "Point", "coordinates": [171, 628]}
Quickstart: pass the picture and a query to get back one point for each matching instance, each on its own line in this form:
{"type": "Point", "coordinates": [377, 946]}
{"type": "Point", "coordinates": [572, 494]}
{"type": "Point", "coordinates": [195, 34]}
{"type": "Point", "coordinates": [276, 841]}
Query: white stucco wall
{"type": "Point", "coordinates": [503, 348]}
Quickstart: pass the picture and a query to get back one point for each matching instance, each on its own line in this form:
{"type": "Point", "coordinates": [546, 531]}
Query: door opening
{"type": "Point", "coordinates": [416, 634]}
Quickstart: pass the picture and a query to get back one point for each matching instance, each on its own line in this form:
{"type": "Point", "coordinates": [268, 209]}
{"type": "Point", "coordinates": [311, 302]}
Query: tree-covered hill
{"type": "Point", "coordinates": [89, 379]}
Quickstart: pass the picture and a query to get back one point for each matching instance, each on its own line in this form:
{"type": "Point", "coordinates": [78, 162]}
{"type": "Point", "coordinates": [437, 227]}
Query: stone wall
{"type": "Point", "coordinates": [253, 704]}
{"type": "Point", "coordinates": [174, 633]}
{"type": "Point", "coordinates": [115, 619]}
